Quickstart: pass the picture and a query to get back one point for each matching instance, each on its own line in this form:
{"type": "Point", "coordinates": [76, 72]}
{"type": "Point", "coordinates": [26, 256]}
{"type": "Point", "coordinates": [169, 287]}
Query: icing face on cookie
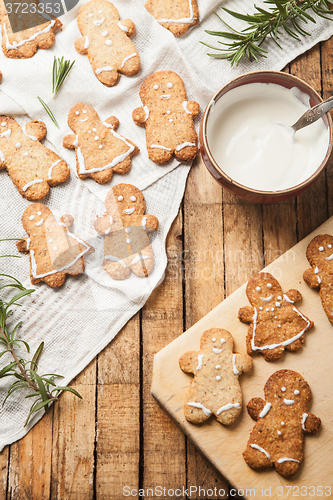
{"type": "Point", "coordinates": [322, 249]}
{"type": "Point", "coordinates": [265, 292]}
{"type": "Point", "coordinates": [289, 390]}
{"type": "Point", "coordinates": [39, 219]}
{"type": "Point", "coordinates": [216, 343]}
{"type": "Point", "coordinates": [80, 114]}
{"type": "Point", "coordinates": [169, 88]}
{"type": "Point", "coordinates": [125, 202]}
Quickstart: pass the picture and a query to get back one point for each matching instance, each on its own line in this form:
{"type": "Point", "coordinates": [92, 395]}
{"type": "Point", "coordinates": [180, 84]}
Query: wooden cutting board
{"type": "Point", "coordinates": [223, 446]}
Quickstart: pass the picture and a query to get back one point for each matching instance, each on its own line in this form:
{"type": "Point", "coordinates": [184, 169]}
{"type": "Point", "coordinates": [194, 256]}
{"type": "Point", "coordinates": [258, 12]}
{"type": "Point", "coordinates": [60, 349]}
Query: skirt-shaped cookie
{"type": "Point", "coordinates": [215, 388]}
{"type": "Point", "coordinates": [105, 40]}
{"type": "Point", "coordinates": [127, 230]}
{"type": "Point", "coordinates": [100, 151]}
{"type": "Point", "coordinates": [177, 17]}
{"type": "Point", "coordinates": [32, 167]}
{"type": "Point", "coordinates": [168, 118]}
{"type": "Point", "coordinates": [54, 251]}
{"type": "Point", "coordinates": [320, 255]}
{"type": "Point", "coordinates": [25, 42]}
{"type": "Point", "coordinates": [275, 323]}
{"type": "Point", "coordinates": [281, 422]}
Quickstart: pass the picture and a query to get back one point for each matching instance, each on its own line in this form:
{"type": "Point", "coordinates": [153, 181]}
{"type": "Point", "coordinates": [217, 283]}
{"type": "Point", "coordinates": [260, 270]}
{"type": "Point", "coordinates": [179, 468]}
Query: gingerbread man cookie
{"type": "Point", "coordinates": [320, 255]}
{"type": "Point", "coordinates": [32, 167]}
{"type": "Point", "coordinates": [276, 324]}
{"type": "Point", "coordinates": [100, 151]}
{"type": "Point", "coordinates": [54, 251]}
{"type": "Point", "coordinates": [127, 231]}
{"type": "Point", "coordinates": [282, 420]}
{"type": "Point", "coordinates": [106, 42]}
{"type": "Point", "coordinates": [177, 17]}
{"type": "Point", "coordinates": [168, 118]}
{"type": "Point", "coordinates": [215, 388]}
{"type": "Point", "coordinates": [26, 41]}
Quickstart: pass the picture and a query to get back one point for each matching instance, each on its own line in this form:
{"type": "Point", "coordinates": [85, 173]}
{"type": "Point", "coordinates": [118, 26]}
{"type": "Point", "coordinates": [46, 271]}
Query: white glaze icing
{"type": "Point", "coordinates": [185, 145]}
{"type": "Point", "coordinates": [289, 401]}
{"type": "Point", "coordinates": [113, 258]}
{"type": "Point", "coordinates": [18, 145]}
{"type": "Point", "coordinates": [267, 299]}
{"type": "Point", "coordinates": [200, 358]}
{"type": "Point", "coordinates": [165, 96]}
{"type": "Point", "coordinates": [105, 33]}
{"type": "Point", "coordinates": [40, 223]}
{"type": "Point", "coordinates": [32, 183]}
{"type": "Point", "coordinates": [123, 27]}
{"type": "Point", "coordinates": [84, 119]}
{"type": "Point", "coordinates": [31, 217]}
{"type": "Point", "coordinates": [105, 68]}
{"type": "Point", "coordinates": [234, 367]}
{"type": "Point", "coordinates": [217, 351]}
{"type": "Point", "coordinates": [86, 42]}
{"type": "Point", "coordinates": [201, 407]}
{"type": "Point", "coordinates": [127, 58]}
{"type": "Point", "coordinates": [2, 157]}
{"type": "Point", "coordinates": [138, 258]}
{"type": "Point", "coordinates": [296, 392]}
{"type": "Point", "coordinates": [218, 378]}
{"type": "Point", "coordinates": [128, 211]}
{"type": "Point", "coordinates": [228, 407]}
{"type": "Point", "coordinates": [281, 460]}
{"type": "Point", "coordinates": [287, 299]}
{"type": "Point", "coordinates": [7, 133]}
{"type": "Point", "coordinates": [265, 410]}
{"type": "Point", "coordinates": [76, 142]}
{"type": "Point", "coordinates": [120, 198]}
{"type": "Point", "coordinates": [99, 22]}
{"type": "Point", "coordinates": [158, 146]}
{"type": "Point", "coordinates": [52, 167]}
{"type": "Point", "coordinates": [133, 198]}
{"type": "Point", "coordinates": [146, 110]}
{"type": "Point", "coordinates": [304, 417]}
{"type": "Point", "coordinates": [28, 241]}
{"type": "Point", "coordinates": [256, 447]}
{"type": "Point", "coordinates": [108, 43]}
{"type": "Point", "coordinates": [144, 223]}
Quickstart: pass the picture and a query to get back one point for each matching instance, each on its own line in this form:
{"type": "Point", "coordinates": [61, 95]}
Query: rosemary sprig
{"type": "Point", "coordinates": [42, 387]}
{"type": "Point", "coordinates": [48, 111]}
{"type": "Point", "coordinates": [61, 69]}
{"type": "Point", "coordinates": [286, 14]}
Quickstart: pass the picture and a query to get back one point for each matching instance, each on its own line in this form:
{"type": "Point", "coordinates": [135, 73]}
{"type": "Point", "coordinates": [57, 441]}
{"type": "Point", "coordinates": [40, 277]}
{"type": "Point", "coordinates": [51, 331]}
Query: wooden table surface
{"type": "Point", "coordinates": [118, 436]}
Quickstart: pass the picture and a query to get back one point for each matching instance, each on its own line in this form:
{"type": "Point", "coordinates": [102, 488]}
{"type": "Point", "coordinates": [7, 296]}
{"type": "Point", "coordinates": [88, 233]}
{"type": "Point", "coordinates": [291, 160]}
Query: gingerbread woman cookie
{"type": "Point", "coordinates": [282, 420]}
{"type": "Point", "coordinates": [106, 42]}
{"type": "Point", "coordinates": [32, 167]}
{"type": "Point", "coordinates": [215, 388]}
{"type": "Point", "coordinates": [100, 151]}
{"type": "Point", "coordinates": [25, 42]}
{"type": "Point", "coordinates": [177, 17]}
{"type": "Point", "coordinates": [276, 324]}
{"type": "Point", "coordinates": [54, 251]}
{"type": "Point", "coordinates": [320, 255]}
{"type": "Point", "coordinates": [168, 118]}
{"type": "Point", "coordinates": [127, 231]}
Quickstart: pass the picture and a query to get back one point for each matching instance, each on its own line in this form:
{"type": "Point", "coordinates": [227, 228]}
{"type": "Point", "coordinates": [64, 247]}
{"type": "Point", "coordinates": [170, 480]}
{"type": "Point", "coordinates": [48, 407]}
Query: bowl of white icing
{"type": "Point", "coordinates": [247, 143]}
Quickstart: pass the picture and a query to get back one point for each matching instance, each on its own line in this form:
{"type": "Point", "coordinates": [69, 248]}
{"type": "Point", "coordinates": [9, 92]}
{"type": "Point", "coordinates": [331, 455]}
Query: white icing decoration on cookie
{"type": "Point", "coordinates": [158, 146]}
{"type": "Point", "coordinates": [281, 460]}
{"type": "Point", "coordinates": [287, 299]}
{"type": "Point", "coordinates": [84, 120]}
{"type": "Point", "coordinates": [18, 145]}
{"type": "Point", "coordinates": [84, 111]}
{"type": "Point", "coordinates": [22, 42]}
{"type": "Point", "coordinates": [128, 211]}
{"type": "Point", "coordinates": [267, 299]}
{"type": "Point", "coordinates": [123, 27]}
{"type": "Point", "coordinates": [77, 113]}
{"type": "Point", "coordinates": [120, 198]}
{"type": "Point", "coordinates": [330, 257]}
{"type": "Point", "coordinates": [185, 145]}
{"type": "Point", "coordinates": [127, 58]}
{"type": "Point", "coordinates": [100, 146]}
{"type": "Point", "coordinates": [40, 223]}
{"type": "Point", "coordinates": [105, 33]}
{"type": "Point", "coordinates": [234, 368]}
{"type": "Point", "coordinates": [143, 223]}
{"type": "Point", "coordinates": [277, 304]}
{"type": "Point", "coordinates": [184, 20]}
{"type": "Point", "coordinates": [28, 242]}
{"type": "Point", "coordinates": [129, 241]}
{"type": "Point", "coordinates": [7, 133]}
{"type": "Point", "coordinates": [113, 258]}
{"type": "Point", "coordinates": [201, 407]}
{"type": "Point", "coordinates": [218, 367]}
{"type": "Point", "coordinates": [31, 217]}
{"type": "Point", "coordinates": [269, 285]}
{"type": "Point", "coordinates": [283, 389]}
{"type": "Point", "coordinates": [39, 213]}
{"type": "Point", "coordinates": [52, 167]}
{"type": "Point", "coordinates": [55, 248]}
{"type": "Point", "coordinates": [138, 258]}
{"type": "Point", "coordinates": [107, 231]}
{"type": "Point", "coordinates": [171, 120]}
{"type": "Point", "coordinates": [258, 289]}
{"type": "Point", "coordinates": [289, 401]}
{"type": "Point", "coordinates": [3, 124]}
{"type": "Point", "coordinates": [217, 351]}
{"type": "Point", "coordinates": [133, 198]}
{"type": "Point", "coordinates": [108, 43]}
{"type": "Point", "coordinates": [218, 378]}
{"type": "Point", "coordinates": [170, 85]}
{"type": "Point", "coordinates": [321, 249]}
{"type": "Point", "coordinates": [115, 161]}
{"type": "Point", "coordinates": [279, 433]}
{"type": "Point", "coordinates": [304, 417]}
{"type": "Point", "coordinates": [100, 70]}
{"type": "Point", "coordinates": [86, 42]}
{"type": "Point", "coordinates": [168, 111]}
{"type": "Point", "coordinates": [200, 358]}
{"type": "Point", "coordinates": [296, 392]}
{"type": "Point", "coordinates": [76, 142]}
{"type": "Point", "coordinates": [285, 342]}
{"type": "Point", "coordinates": [228, 407]}
{"type": "Point", "coordinates": [265, 410]}
{"type": "Point", "coordinates": [99, 22]}
{"type": "Point", "coordinates": [31, 183]}
{"type": "Point", "coordinates": [155, 87]}
{"type": "Point", "coordinates": [256, 447]}
{"type": "Point", "coordinates": [94, 129]}
{"type": "Point", "coordinates": [165, 96]}
{"type": "Point", "coordinates": [222, 341]}
{"type": "Point", "coordinates": [96, 138]}
{"type": "Point", "coordinates": [146, 110]}
{"type": "Point", "coordinates": [128, 230]}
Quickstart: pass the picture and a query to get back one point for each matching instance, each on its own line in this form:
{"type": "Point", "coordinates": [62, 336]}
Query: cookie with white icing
{"type": "Point", "coordinates": [127, 230]}
{"type": "Point", "coordinates": [26, 41]}
{"type": "Point", "coordinates": [168, 118]}
{"type": "Point", "coordinates": [215, 388]}
{"type": "Point", "coordinates": [100, 151]}
{"type": "Point", "coordinates": [177, 17]}
{"type": "Point", "coordinates": [320, 256]}
{"type": "Point", "coordinates": [281, 422]}
{"type": "Point", "coordinates": [54, 251]}
{"type": "Point", "coordinates": [105, 40]}
{"type": "Point", "coordinates": [275, 323]}
{"type": "Point", "coordinates": [32, 167]}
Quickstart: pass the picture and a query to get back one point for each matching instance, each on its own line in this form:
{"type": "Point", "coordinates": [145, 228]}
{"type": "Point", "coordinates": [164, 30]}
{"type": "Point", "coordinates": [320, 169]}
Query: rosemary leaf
{"type": "Point", "coordinates": [60, 70]}
{"type": "Point", "coordinates": [48, 111]}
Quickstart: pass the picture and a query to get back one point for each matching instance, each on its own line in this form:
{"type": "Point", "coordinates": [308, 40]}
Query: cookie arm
{"type": "Point", "coordinates": [79, 45]}
{"type": "Point", "coordinates": [294, 295]}
{"type": "Point", "coordinates": [139, 116]}
{"type": "Point", "coordinates": [188, 362]}
{"type": "Point", "coordinates": [68, 220]}
{"type": "Point", "coordinates": [36, 129]}
{"type": "Point", "coordinates": [243, 363]}
{"type": "Point", "coordinates": [310, 278]}
{"type": "Point", "coordinates": [255, 406]}
{"type": "Point", "coordinates": [22, 246]}
{"type": "Point", "coordinates": [193, 107]}
{"type": "Point", "coordinates": [113, 121]}
{"type": "Point", "coordinates": [69, 141]}
{"type": "Point", "coordinates": [312, 423]}
{"type": "Point", "coordinates": [245, 314]}
{"type": "Point", "coordinates": [103, 225]}
{"type": "Point", "coordinates": [151, 223]}
{"type": "Point", "coordinates": [128, 23]}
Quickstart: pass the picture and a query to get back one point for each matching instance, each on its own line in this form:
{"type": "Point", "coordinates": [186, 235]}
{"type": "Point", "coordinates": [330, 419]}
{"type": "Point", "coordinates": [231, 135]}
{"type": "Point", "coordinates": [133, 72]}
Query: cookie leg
{"type": "Point", "coordinates": [46, 40]}
{"type": "Point", "coordinates": [287, 468]}
{"type": "Point", "coordinates": [108, 78]}
{"type": "Point", "coordinates": [159, 156]}
{"type": "Point", "coordinates": [273, 354]}
{"type": "Point", "coordinates": [55, 280]}
{"type": "Point", "coordinates": [256, 459]}
{"type": "Point", "coordinates": [143, 263]}
{"type": "Point", "coordinates": [186, 154]}
{"type": "Point", "coordinates": [228, 417]}
{"type": "Point", "coordinates": [195, 415]}
{"type": "Point", "coordinates": [296, 346]}
{"type": "Point", "coordinates": [117, 270]}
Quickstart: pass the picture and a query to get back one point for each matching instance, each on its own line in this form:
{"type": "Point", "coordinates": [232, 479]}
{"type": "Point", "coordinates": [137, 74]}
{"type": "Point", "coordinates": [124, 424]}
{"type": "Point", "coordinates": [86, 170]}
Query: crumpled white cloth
{"type": "Point", "coordinates": [78, 320]}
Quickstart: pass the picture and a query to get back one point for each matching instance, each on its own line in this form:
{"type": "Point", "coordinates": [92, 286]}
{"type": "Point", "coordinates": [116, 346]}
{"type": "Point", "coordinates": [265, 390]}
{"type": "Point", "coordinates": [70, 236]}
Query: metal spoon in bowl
{"type": "Point", "coordinates": [313, 114]}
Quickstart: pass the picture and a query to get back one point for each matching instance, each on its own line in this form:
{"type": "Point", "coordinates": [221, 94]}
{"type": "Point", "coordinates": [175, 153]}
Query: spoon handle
{"type": "Point", "coordinates": [313, 114]}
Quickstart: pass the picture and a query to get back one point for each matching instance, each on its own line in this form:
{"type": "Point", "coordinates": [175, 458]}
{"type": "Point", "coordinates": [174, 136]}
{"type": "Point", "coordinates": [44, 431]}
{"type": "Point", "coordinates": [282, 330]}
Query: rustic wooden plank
{"type": "Point", "coordinates": [204, 288]}
{"type": "Point", "coordinates": [118, 414]}
{"type": "Point", "coordinates": [4, 471]}
{"type": "Point", "coordinates": [327, 83]}
{"type": "Point", "coordinates": [74, 440]}
{"type": "Point", "coordinates": [30, 463]}
{"type": "Point", "coordinates": [163, 459]}
{"type": "Point", "coordinates": [311, 205]}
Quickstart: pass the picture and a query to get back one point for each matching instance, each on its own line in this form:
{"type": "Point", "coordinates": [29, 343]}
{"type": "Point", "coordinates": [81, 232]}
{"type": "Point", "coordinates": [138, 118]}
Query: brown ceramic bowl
{"type": "Point", "coordinates": [244, 192]}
